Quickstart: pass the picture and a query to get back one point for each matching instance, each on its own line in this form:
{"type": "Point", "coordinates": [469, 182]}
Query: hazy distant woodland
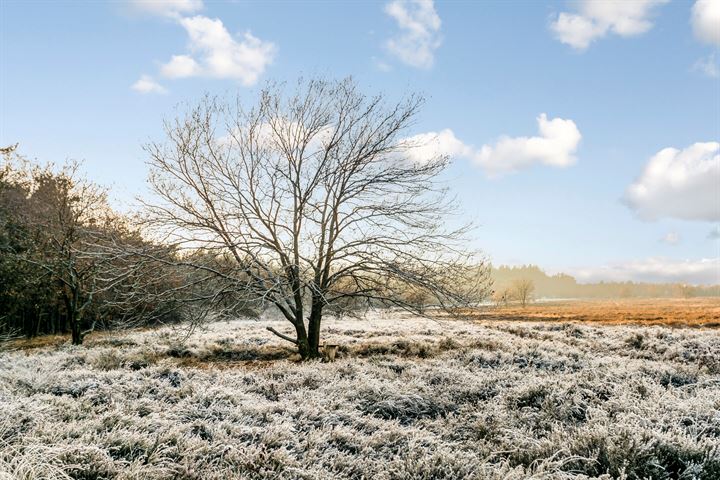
{"type": "Point", "coordinates": [565, 286]}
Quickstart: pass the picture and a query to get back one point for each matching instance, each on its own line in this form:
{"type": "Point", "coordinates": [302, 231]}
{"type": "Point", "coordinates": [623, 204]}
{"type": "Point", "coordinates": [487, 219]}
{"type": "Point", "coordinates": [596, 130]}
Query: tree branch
{"type": "Point", "coordinates": [284, 337]}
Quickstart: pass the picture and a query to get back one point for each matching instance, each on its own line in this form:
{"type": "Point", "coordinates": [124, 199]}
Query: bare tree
{"type": "Point", "coordinates": [522, 290]}
{"type": "Point", "coordinates": [502, 296]}
{"type": "Point", "coordinates": [314, 199]}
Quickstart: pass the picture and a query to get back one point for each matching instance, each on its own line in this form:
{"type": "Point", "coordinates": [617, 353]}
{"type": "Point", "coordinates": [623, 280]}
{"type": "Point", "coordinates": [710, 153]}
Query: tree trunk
{"type": "Point", "coordinates": [77, 338]}
{"type": "Point", "coordinates": [302, 340]}
{"type": "Point", "coordinates": [54, 321]}
{"type": "Point", "coordinates": [26, 328]}
{"type": "Point", "coordinates": [75, 318]}
{"type": "Point", "coordinates": [314, 325]}
{"type": "Point", "coordinates": [39, 322]}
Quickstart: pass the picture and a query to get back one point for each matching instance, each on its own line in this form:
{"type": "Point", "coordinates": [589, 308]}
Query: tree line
{"type": "Point", "coordinates": [68, 260]}
{"type": "Point", "coordinates": [506, 278]}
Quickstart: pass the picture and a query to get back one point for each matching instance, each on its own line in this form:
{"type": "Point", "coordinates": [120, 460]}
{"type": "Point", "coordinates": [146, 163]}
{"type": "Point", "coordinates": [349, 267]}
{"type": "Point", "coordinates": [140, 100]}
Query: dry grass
{"type": "Point", "coordinates": [696, 312]}
{"type": "Point", "coordinates": [37, 342]}
{"type": "Point", "coordinates": [408, 398]}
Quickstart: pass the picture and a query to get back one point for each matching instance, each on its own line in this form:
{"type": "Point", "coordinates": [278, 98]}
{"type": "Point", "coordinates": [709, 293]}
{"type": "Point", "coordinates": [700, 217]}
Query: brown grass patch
{"type": "Point", "coordinates": [44, 341]}
{"type": "Point", "coordinates": [108, 338]}
{"type": "Point", "coordinates": [696, 312]}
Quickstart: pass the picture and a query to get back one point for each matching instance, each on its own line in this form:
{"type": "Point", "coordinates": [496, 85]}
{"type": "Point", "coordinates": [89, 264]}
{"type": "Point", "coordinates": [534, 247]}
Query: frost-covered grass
{"type": "Point", "coordinates": [406, 399]}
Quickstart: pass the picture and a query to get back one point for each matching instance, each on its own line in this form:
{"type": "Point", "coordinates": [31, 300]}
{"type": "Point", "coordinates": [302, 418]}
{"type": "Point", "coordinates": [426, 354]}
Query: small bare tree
{"type": "Point", "coordinates": [314, 199]}
{"type": "Point", "coordinates": [502, 296]}
{"type": "Point", "coordinates": [522, 290]}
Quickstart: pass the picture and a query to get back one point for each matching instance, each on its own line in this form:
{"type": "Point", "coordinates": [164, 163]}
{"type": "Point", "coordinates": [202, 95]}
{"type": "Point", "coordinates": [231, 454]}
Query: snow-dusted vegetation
{"type": "Point", "coordinates": [407, 398]}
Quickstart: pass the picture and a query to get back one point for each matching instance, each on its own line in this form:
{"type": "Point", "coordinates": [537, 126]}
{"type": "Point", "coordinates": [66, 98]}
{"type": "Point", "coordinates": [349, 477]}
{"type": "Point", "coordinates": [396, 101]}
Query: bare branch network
{"type": "Point", "coordinates": [312, 198]}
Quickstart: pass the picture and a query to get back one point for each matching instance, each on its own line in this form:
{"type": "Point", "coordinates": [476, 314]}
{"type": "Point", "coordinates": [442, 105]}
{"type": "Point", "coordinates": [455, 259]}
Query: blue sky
{"type": "Point", "coordinates": [596, 195]}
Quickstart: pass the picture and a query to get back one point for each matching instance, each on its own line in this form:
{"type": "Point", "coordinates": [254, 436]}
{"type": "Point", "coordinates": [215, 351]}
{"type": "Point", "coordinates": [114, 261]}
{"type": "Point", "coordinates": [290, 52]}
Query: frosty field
{"type": "Point", "coordinates": [407, 398]}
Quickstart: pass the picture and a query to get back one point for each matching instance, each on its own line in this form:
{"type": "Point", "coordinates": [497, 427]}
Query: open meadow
{"type": "Point", "coordinates": [407, 398]}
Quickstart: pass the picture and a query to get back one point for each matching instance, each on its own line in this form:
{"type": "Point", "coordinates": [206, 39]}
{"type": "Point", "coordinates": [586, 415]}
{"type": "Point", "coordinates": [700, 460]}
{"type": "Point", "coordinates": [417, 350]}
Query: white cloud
{"type": "Point", "coordinates": [146, 84]}
{"type": "Point", "coordinates": [682, 184]}
{"type": "Point", "coordinates": [555, 146]}
{"type": "Point", "coordinates": [706, 21]}
{"type": "Point", "coordinates": [167, 8]}
{"type": "Point", "coordinates": [419, 35]}
{"type": "Point", "coordinates": [597, 18]}
{"type": "Point", "coordinates": [671, 238]}
{"type": "Point", "coordinates": [705, 271]}
{"type": "Point", "coordinates": [180, 66]}
{"type": "Point", "coordinates": [708, 66]}
{"type": "Point", "coordinates": [576, 30]}
{"type": "Point", "coordinates": [215, 53]}
{"type": "Point", "coordinates": [427, 146]}
{"type": "Point", "coordinates": [266, 135]}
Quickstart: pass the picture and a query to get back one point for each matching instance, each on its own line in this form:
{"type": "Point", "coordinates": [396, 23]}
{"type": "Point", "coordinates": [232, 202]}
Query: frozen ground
{"type": "Point", "coordinates": [406, 399]}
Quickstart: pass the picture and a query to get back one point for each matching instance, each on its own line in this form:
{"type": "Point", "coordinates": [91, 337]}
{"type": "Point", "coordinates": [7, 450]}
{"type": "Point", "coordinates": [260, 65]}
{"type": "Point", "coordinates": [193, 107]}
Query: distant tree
{"type": "Point", "coordinates": [522, 290]}
{"type": "Point", "coordinates": [418, 297]}
{"type": "Point", "coordinates": [314, 198]}
{"type": "Point", "coordinates": [502, 296]}
{"type": "Point", "coordinates": [626, 291]}
{"type": "Point", "coordinates": [685, 291]}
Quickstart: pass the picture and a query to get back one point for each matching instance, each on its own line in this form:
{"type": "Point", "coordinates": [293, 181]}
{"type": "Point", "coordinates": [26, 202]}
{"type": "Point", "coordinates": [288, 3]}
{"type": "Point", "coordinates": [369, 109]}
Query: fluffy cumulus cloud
{"type": "Point", "coordinates": [212, 50]}
{"type": "Point", "coordinates": [167, 8]}
{"type": "Point", "coordinates": [705, 271]}
{"type": "Point", "coordinates": [146, 84]}
{"type": "Point", "coordinates": [555, 146]}
{"type": "Point", "coordinates": [180, 66]}
{"type": "Point", "coordinates": [706, 21]}
{"type": "Point", "coordinates": [682, 184]}
{"type": "Point", "coordinates": [215, 53]}
{"type": "Point", "coordinates": [597, 18]}
{"type": "Point", "coordinates": [426, 146]}
{"type": "Point", "coordinates": [419, 34]}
